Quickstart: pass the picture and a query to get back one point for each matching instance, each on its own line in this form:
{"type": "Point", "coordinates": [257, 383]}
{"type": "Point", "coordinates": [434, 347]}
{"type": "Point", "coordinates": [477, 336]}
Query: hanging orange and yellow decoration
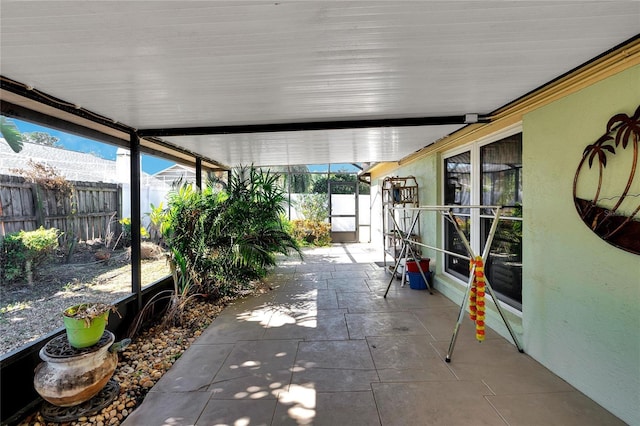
{"type": "Point", "coordinates": [476, 296]}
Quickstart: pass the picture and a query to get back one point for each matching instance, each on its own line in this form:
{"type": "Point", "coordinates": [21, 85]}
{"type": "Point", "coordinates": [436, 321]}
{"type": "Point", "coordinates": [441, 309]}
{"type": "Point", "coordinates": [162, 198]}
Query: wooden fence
{"type": "Point", "coordinates": [92, 211]}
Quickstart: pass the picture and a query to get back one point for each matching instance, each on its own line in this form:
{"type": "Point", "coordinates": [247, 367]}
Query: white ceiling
{"type": "Point", "coordinates": [157, 64]}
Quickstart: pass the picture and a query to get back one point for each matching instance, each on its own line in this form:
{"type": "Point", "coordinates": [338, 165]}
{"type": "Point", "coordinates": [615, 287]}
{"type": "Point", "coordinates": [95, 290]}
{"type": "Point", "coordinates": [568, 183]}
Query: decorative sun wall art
{"type": "Point", "coordinates": [606, 187]}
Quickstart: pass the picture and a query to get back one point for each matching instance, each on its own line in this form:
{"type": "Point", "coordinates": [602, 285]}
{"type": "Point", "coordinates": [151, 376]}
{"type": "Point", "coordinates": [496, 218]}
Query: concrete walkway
{"type": "Point", "coordinates": [325, 348]}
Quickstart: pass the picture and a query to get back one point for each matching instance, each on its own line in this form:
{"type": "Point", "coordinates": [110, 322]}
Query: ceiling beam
{"type": "Point", "coordinates": [315, 125]}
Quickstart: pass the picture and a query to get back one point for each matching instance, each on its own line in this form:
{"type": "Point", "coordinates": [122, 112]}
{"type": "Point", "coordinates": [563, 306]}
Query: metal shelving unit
{"type": "Point", "coordinates": [398, 193]}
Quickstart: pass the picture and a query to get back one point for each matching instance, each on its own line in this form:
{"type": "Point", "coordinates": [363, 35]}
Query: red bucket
{"type": "Point", "coordinates": [412, 265]}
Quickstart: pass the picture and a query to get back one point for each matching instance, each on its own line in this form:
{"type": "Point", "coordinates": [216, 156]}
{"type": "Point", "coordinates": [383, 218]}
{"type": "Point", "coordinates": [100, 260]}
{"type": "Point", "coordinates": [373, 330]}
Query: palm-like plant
{"type": "Point", "coordinates": [11, 134]}
{"type": "Point", "coordinates": [252, 219]}
{"type": "Point", "coordinates": [231, 235]}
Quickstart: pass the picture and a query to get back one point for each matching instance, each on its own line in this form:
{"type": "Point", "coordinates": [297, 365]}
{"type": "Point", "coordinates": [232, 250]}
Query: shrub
{"type": "Point", "coordinates": [228, 237]}
{"type": "Point", "coordinates": [156, 217]}
{"type": "Point", "coordinates": [314, 207]}
{"type": "Point", "coordinates": [22, 252]}
{"type": "Point", "coordinates": [311, 232]}
{"type": "Point", "coordinates": [125, 236]}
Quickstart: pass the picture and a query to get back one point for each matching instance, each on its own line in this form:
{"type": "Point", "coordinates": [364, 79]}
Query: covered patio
{"type": "Point", "coordinates": [401, 89]}
{"type": "Point", "coordinates": [325, 348]}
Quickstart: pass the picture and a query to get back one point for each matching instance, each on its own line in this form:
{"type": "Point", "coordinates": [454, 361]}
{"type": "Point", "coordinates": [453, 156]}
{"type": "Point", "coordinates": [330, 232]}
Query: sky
{"type": "Point", "coordinates": [71, 142]}
{"type": "Point", "coordinates": [150, 164]}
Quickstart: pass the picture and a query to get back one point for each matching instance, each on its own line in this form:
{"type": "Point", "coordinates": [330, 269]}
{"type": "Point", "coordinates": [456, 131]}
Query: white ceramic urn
{"type": "Point", "coordinates": [69, 376]}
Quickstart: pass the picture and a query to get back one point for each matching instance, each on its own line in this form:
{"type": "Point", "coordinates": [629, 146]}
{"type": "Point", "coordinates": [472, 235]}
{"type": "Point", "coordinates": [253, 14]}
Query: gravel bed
{"type": "Point", "coordinates": [28, 312]}
{"type": "Point", "coordinates": [143, 363]}
{"type": "Point", "coordinates": [146, 359]}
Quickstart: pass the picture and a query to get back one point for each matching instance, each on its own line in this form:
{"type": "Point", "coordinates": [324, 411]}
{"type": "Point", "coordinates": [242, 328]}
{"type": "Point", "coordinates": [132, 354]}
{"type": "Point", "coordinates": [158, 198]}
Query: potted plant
{"type": "Point", "coordinates": [86, 322]}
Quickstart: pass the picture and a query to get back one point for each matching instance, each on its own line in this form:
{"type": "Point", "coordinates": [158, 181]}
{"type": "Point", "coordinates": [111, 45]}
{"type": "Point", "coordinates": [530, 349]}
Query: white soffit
{"type": "Point", "coordinates": [158, 64]}
{"type": "Point", "coordinates": [315, 146]}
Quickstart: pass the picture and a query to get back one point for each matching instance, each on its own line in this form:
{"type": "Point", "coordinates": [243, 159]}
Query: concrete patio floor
{"type": "Point", "coordinates": [325, 348]}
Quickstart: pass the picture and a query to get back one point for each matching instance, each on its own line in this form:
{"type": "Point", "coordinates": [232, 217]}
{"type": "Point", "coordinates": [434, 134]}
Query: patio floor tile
{"type": "Point", "coordinates": [348, 354]}
{"type": "Point", "coordinates": [313, 275]}
{"type": "Point", "coordinates": [435, 403]}
{"type": "Point", "coordinates": [559, 409]}
{"type": "Point", "coordinates": [348, 284]}
{"type": "Point", "coordinates": [383, 324]}
{"type": "Point", "coordinates": [366, 301]}
{"type": "Point", "coordinates": [246, 412]}
{"type": "Point", "coordinates": [308, 407]}
{"type": "Point", "coordinates": [302, 284]}
{"type": "Point", "coordinates": [407, 358]}
{"type": "Point", "coordinates": [195, 369]}
{"type": "Point", "coordinates": [325, 348]}
{"type": "Point", "coordinates": [253, 386]}
{"type": "Point", "coordinates": [307, 299]}
{"type": "Point", "coordinates": [257, 358]}
{"type": "Point", "coordinates": [334, 379]}
{"type": "Point", "coordinates": [232, 329]}
{"type": "Point", "coordinates": [441, 321]}
{"type": "Point", "coordinates": [347, 274]}
{"type": "Point", "coordinates": [173, 408]}
{"type": "Point", "coordinates": [327, 324]}
{"type": "Point", "coordinates": [504, 369]}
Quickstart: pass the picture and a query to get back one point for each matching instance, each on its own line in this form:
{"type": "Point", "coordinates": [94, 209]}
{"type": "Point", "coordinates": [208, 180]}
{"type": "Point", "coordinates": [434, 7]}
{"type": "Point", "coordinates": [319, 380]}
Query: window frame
{"type": "Point", "coordinates": [476, 197]}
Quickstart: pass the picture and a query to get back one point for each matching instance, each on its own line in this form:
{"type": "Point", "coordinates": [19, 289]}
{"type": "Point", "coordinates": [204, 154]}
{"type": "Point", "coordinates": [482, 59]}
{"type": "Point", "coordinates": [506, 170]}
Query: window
{"type": "Point", "coordinates": [457, 192]}
{"type": "Point", "coordinates": [487, 174]}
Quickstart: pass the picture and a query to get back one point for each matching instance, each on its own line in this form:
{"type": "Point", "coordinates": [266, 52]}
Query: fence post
{"type": "Point", "coordinates": [117, 225]}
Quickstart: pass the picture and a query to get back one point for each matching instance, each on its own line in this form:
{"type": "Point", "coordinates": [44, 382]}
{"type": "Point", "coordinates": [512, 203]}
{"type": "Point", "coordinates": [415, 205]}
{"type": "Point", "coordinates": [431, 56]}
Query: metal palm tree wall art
{"type": "Point", "coordinates": [611, 211]}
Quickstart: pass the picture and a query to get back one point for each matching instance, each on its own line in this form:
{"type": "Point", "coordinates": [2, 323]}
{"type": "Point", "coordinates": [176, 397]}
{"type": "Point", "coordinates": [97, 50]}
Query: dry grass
{"type": "Point", "coordinates": [30, 312]}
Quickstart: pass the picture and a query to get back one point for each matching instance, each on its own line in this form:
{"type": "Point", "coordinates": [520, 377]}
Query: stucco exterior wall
{"type": "Point", "coordinates": [426, 173]}
{"type": "Point", "coordinates": [581, 296]}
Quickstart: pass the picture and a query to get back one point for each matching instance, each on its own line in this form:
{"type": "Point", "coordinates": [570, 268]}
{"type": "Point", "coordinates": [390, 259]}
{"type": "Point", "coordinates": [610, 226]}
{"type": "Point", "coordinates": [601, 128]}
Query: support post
{"type": "Point", "coordinates": [136, 270]}
{"type": "Point", "coordinates": [199, 173]}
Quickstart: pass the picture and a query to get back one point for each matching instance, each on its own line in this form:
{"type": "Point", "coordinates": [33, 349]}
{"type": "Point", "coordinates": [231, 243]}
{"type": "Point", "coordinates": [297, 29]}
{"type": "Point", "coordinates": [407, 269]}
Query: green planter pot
{"type": "Point", "coordinates": [80, 334]}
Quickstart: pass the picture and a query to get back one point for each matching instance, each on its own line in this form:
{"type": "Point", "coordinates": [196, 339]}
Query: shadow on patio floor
{"type": "Point", "coordinates": [325, 348]}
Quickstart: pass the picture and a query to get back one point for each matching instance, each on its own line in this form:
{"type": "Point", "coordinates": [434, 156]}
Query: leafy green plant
{"type": "Point", "coordinates": [314, 207]}
{"type": "Point", "coordinates": [287, 225]}
{"type": "Point", "coordinates": [11, 134]}
{"type": "Point", "coordinates": [22, 252]}
{"type": "Point", "coordinates": [125, 236]}
{"type": "Point", "coordinates": [48, 178]}
{"type": "Point", "coordinates": [173, 303]}
{"type": "Point", "coordinates": [229, 236]}
{"type": "Point", "coordinates": [12, 258]}
{"type": "Point", "coordinates": [321, 185]}
{"type": "Point", "coordinates": [313, 229]}
{"type": "Point", "coordinates": [156, 217]}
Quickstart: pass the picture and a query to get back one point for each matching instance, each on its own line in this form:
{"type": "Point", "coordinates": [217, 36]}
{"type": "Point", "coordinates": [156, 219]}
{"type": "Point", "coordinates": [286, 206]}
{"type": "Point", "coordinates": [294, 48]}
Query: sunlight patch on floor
{"type": "Point", "coordinates": [302, 401]}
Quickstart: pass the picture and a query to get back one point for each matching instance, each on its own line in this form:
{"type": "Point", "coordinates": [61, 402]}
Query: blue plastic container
{"type": "Point", "coordinates": [416, 282]}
